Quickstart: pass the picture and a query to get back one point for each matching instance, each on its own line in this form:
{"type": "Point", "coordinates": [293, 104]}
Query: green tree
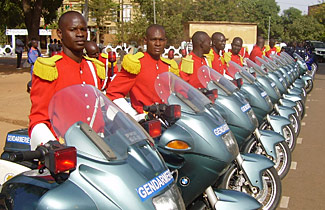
{"type": "Point", "coordinates": [32, 10]}
{"type": "Point", "coordinates": [172, 14]}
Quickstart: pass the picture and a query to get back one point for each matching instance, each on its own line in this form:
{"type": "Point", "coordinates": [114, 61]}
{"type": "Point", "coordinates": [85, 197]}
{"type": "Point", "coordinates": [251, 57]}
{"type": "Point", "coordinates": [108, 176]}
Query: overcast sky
{"type": "Point", "coordinates": [299, 4]}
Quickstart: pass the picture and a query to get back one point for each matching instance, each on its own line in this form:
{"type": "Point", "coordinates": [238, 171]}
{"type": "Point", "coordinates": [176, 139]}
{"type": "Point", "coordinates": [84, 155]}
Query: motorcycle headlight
{"type": "Point", "coordinates": [169, 200]}
{"type": "Point", "coordinates": [231, 143]}
{"type": "Point", "coordinates": [253, 117]}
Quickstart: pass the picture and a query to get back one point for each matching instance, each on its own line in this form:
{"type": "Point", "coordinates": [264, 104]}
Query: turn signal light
{"type": "Point", "coordinates": [177, 144]}
{"type": "Point", "coordinates": [61, 159]}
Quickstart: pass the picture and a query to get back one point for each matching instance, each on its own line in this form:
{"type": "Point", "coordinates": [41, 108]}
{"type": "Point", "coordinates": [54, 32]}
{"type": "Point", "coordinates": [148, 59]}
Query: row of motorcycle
{"type": "Point", "coordinates": [224, 146]}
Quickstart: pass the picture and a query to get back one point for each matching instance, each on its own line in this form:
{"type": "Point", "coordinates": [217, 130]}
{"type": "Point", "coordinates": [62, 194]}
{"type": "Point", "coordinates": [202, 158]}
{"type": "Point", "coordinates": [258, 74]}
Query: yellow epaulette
{"type": "Point", "coordinates": [267, 48]}
{"type": "Point", "coordinates": [187, 65]}
{"type": "Point", "coordinates": [173, 67]}
{"type": "Point", "coordinates": [278, 49]}
{"type": "Point", "coordinates": [131, 63]}
{"type": "Point", "coordinates": [227, 57]}
{"type": "Point", "coordinates": [210, 57]}
{"type": "Point", "coordinates": [45, 68]}
{"type": "Point", "coordinates": [100, 67]}
{"type": "Point", "coordinates": [104, 55]}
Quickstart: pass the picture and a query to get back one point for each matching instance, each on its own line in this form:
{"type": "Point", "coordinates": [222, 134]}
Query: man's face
{"type": "Point", "coordinates": [73, 33]}
{"type": "Point", "coordinates": [34, 44]}
{"type": "Point", "coordinates": [260, 42]}
{"type": "Point", "coordinates": [206, 44]}
{"type": "Point", "coordinates": [219, 42]}
{"type": "Point", "coordinates": [272, 43]}
{"type": "Point", "coordinates": [92, 51]}
{"type": "Point", "coordinates": [236, 46]}
{"type": "Point", "coordinates": [156, 42]}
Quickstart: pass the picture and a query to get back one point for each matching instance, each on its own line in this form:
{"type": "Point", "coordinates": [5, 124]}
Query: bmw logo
{"type": "Point", "coordinates": [184, 181]}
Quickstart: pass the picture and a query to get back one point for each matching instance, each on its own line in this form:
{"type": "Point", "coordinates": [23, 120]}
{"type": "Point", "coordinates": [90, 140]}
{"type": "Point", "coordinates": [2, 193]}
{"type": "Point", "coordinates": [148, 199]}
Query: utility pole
{"type": "Point", "coordinates": [122, 20]}
{"type": "Point", "coordinates": [154, 12]}
{"type": "Point", "coordinates": [268, 33]}
{"type": "Point", "coordinates": [86, 10]}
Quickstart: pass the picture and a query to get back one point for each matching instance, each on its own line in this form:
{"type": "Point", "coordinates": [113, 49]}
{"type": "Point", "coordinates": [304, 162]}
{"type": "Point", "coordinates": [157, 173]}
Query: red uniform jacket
{"type": "Point", "coordinates": [192, 78]}
{"type": "Point", "coordinates": [217, 63]}
{"type": "Point", "coordinates": [272, 51]}
{"type": "Point", "coordinates": [69, 73]}
{"type": "Point", "coordinates": [141, 86]}
{"type": "Point", "coordinates": [257, 51]}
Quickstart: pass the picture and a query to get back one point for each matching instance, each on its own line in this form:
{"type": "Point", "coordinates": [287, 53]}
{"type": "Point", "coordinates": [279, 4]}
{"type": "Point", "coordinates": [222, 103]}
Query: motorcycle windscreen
{"type": "Point", "coordinates": [247, 76]}
{"type": "Point", "coordinates": [256, 67]}
{"type": "Point", "coordinates": [85, 103]}
{"type": "Point", "coordinates": [262, 63]}
{"type": "Point", "coordinates": [271, 62]}
{"type": "Point", "coordinates": [207, 74]}
{"type": "Point", "coordinates": [297, 56]}
{"type": "Point", "coordinates": [168, 85]}
{"type": "Point", "coordinates": [287, 56]}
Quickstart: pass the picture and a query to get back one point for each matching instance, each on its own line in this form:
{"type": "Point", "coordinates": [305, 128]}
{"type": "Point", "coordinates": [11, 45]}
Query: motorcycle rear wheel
{"type": "Point", "coordinates": [269, 197]}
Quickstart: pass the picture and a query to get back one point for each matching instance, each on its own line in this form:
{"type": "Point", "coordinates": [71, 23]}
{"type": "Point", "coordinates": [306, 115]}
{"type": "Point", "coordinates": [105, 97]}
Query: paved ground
{"type": "Point", "coordinates": [303, 186]}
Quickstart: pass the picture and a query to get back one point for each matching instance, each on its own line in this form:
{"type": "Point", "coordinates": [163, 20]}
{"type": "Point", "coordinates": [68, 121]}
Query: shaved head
{"type": "Point", "coordinates": [92, 49]}
{"type": "Point", "coordinates": [260, 41]}
{"type": "Point", "coordinates": [198, 37]}
{"type": "Point", "coordinates": [73, 33]}
{"type": "Point", "coordinates": [216, 35]}
{"type": "Point", "coordinates": [218, 41]}
{"type": "Point", "coordinates": [201, 43]}
{"type": "Point", "coordinates": [154, 27]}
{"type": "Point", "coordinates": [67, 17]}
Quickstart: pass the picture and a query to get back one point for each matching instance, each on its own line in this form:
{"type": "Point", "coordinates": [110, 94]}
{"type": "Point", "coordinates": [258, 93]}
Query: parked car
{"type": "Point", "coordinates": [319, 49]}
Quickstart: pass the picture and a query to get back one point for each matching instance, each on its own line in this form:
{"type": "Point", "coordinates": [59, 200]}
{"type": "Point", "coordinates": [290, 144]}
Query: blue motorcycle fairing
{"type": "Point", "coordinates": [292, 97]}
{"type": "Point", "coordinates": [287, 103]}
{"type": "Point", "coordinates": [285, 111]}
{"type": "Point", "coordinates": [231, 199]}
{"type": "Point", "coordinates": [254, 165]}
{"type": "Point", "coordinates": [269, 140]}
{"type": "Point", "coordinates": [278, 122]}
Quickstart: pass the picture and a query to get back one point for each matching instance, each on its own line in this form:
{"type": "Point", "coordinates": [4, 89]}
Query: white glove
{"type": "Point", "coordinates": [127, 108]}
{"type": "Point", "coordinates": [41, 134]}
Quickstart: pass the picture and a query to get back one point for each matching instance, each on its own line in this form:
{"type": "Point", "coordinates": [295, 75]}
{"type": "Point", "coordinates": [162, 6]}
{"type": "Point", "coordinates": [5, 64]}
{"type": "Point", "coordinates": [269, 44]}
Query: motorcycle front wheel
{"type": "Point", "coordinates": [309, 86]}
{"type": "Point", "coordinates": [295, 122]}
{"type": "Point", "coordinates": [283, 156]}
{"type": "Point", "coordinates": [269, 196]}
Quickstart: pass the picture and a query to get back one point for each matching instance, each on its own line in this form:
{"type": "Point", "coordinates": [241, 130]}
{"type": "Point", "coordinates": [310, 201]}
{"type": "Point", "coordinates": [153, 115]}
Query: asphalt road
{"type": "Point", "coordinates": [302, 187]}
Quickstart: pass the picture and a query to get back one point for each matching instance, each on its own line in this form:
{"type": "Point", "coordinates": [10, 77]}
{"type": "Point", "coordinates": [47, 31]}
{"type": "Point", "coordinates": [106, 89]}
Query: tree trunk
{"type": "Point", "coordinates": [32, 11]}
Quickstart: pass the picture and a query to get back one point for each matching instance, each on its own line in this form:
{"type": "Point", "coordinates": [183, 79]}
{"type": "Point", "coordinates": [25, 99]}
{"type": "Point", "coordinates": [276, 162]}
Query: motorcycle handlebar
{"type": "Point", "coordinates": [27, 155]}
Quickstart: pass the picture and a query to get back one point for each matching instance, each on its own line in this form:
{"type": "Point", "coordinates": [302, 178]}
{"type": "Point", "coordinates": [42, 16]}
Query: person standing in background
{"type": "Point", "coordinates": [19, 51]}
{"type": "Point", "coordinates": [50, 47]}
{"type": "Point", "coordinates": [33, 54]}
